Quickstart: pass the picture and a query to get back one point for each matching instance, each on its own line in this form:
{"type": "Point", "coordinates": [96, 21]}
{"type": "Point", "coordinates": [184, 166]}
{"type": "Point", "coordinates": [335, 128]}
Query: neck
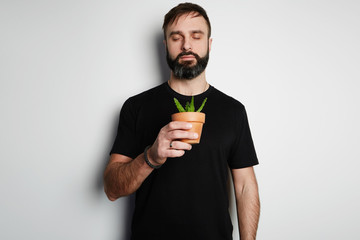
{"type": "Point", "coordinates": [189, 87]}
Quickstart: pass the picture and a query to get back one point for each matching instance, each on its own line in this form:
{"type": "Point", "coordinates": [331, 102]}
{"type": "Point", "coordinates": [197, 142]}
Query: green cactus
{"type": "Point", "coordinates": [189, 107]}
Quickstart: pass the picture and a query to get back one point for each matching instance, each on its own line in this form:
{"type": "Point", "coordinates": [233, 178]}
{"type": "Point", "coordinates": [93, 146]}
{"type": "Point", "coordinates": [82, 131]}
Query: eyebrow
{"type": "Point", "coordinates": [198, 31]}
{"type": "Point", "coordinates": [175, 32]}
{"type": "Point", "coordinates": [181, 33]}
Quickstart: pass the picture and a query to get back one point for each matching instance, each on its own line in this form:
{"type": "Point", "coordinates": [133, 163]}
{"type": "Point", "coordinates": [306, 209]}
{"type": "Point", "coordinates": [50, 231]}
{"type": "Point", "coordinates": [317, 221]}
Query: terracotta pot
{"type": "Point", "coordinates": [197, 119]}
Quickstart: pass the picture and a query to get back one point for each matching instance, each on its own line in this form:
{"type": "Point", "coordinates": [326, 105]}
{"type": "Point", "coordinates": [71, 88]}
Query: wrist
{"type": "Point", "coordinates": [149, 158]}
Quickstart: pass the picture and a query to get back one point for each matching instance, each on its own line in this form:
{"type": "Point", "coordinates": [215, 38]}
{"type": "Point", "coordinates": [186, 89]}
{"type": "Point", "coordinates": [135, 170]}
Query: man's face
{"type": "Point", "coordinates": [187, 46]}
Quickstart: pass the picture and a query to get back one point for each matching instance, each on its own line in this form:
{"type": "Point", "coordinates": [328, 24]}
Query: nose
{"type": "Point", "coordinates": [186, 45]}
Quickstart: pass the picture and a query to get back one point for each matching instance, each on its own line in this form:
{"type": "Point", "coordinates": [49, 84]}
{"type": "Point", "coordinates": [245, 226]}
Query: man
{"type": "Point", "coordinates": [181, 189]}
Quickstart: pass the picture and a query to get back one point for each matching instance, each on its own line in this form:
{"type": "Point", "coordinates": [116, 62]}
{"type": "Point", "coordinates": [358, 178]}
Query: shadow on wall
{"type": "Point", "coordinates": [129, 203]}
{"type": "Point", "coordinates": [125, 211]}
{"type": "Point", "coordinates": [164, 70]}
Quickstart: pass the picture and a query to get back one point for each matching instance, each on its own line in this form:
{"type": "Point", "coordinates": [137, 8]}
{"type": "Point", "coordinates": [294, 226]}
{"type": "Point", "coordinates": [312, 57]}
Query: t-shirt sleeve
{"type": "Point", "coordinates": [243, 151]}
{"type": "Point", "coordinates": [125, 141]}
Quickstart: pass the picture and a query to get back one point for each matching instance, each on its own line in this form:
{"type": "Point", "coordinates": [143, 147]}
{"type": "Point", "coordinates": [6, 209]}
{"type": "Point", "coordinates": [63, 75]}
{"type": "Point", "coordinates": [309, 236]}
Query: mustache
{"type": "Point", "coordinates": [188, 53]}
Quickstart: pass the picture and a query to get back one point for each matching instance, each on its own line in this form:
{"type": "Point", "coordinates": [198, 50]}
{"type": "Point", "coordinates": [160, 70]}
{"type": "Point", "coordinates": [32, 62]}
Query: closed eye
{"type": "Point", "coordinates": [197, 35]}
{"type": "Point", "coordinates": [175, 37]}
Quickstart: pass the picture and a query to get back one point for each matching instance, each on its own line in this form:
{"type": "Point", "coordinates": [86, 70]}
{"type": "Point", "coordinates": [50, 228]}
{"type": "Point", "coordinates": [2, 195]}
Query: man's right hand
{"type": "Point", "coordinates": [123, 175]}
{"type": "Point", "coordinates": [171, 135]}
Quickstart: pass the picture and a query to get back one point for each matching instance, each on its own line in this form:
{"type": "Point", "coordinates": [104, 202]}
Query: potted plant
{"type": "Point", "coordinates": [188, 114]}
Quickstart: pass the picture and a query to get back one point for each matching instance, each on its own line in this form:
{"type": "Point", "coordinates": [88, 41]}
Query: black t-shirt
{"type": "Point", "coordinates": [187, 197]}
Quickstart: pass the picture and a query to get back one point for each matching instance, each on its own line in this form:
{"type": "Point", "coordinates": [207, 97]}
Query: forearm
{"type": "Point", "coordinates": [124, 175]}
{"type": "Point", "coordinates": [122, 179]}
{"type": "Point", "coordinates": [248, 208]}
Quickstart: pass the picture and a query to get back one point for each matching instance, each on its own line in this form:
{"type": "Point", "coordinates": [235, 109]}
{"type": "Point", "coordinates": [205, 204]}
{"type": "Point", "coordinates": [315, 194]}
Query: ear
{"type": "Point", "coordinates": [164, 41]}
{"type": "Point", "coordinates": [210, 42]}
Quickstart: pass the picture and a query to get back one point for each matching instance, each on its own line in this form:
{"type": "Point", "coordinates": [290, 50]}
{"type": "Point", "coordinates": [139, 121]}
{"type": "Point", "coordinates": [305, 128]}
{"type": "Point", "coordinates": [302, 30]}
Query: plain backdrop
{"type": "Point", "coordinates": [66, 68]}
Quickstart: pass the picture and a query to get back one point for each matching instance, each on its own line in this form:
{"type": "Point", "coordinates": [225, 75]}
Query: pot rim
{"type": "Point", "coordinates": [189, 117]}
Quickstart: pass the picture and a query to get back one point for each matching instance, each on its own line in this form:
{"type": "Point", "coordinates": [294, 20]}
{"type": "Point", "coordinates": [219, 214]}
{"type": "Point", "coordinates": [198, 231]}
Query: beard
{"type": "Point", "coordinates": [187, 70]}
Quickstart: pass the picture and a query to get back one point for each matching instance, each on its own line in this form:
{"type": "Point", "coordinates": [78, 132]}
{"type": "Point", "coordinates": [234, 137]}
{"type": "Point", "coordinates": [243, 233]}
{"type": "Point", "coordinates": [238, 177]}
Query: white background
{"type": "Point", "coordinates": [66, 67]}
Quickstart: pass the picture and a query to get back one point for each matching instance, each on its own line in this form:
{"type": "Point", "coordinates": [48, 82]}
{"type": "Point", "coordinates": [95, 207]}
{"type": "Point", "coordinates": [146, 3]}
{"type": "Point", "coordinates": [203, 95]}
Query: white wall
{"type": "Point", "coordinates": [66, 67]}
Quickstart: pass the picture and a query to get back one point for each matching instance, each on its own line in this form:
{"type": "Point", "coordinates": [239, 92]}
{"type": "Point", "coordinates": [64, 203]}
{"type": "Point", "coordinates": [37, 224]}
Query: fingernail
{"type": "Point", "coordinates": [189, 125]}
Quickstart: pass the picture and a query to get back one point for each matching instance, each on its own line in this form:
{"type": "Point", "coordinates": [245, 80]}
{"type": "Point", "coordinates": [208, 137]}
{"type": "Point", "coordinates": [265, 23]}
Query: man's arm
{"type": "Point", "coordinates": [124, 175]}
{"type": "Point", "coordinates": [247, 202]}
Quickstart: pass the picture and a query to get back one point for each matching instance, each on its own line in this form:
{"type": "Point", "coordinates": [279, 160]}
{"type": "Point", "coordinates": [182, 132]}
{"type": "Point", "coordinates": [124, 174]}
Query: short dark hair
{"type": "Point", "coordinates": [182, 9]}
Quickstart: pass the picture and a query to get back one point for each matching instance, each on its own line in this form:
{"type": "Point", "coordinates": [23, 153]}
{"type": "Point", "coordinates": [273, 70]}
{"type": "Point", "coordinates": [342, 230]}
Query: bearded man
{"type": "Point", "coordinates": [181, 189]}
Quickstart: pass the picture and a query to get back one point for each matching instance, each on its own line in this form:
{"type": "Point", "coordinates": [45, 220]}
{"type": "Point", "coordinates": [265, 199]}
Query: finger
{"type": "Point", "coordinates": [175, 153]}
{"type": "Point", "coordinates": [177, 125]}
{"type": "Point", "coordinates": [177, 145]}
{"type": "Point", "coordinates": [180, 134]}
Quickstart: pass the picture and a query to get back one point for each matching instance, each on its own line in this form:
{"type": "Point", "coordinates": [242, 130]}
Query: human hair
{"type": "Point", "coordinates": [181, 9]}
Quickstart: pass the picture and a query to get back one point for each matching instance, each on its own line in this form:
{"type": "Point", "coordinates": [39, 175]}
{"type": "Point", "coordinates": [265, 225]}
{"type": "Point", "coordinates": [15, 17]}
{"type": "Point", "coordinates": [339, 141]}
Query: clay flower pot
{"type": "Point", "coordinates": [197, 119]}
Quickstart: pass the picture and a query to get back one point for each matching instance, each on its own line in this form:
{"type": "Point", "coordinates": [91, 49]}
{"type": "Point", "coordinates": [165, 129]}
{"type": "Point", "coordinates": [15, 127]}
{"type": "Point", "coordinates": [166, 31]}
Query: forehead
{"type": "Point", "coordinates": [188, 22]}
